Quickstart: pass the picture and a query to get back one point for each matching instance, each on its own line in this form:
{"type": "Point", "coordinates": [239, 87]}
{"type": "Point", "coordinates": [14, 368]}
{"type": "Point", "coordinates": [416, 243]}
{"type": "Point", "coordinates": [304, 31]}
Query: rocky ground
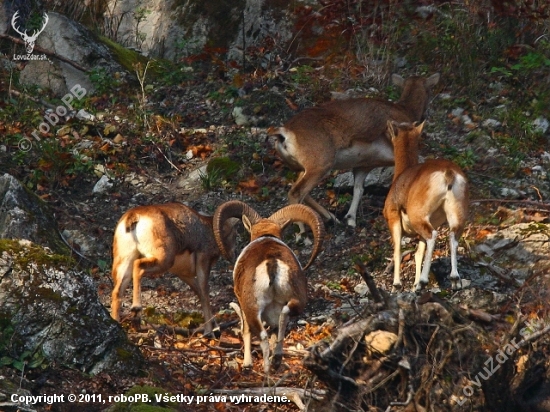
{"type": "Point", "coordinates": [504, 254]}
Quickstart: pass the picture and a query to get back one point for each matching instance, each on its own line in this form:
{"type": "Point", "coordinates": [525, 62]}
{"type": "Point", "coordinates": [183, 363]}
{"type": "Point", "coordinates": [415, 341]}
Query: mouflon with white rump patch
{"type": "Point", "coordinates": [422, 197]}
{"type": "Point", "coordinates": [152, 240]}
{"type": "Point", "coordinates": [269, 281]}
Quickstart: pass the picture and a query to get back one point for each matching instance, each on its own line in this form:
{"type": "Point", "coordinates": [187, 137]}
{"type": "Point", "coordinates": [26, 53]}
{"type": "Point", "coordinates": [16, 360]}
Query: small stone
{"type": "Point", "coordinates": [457, 112]}
{"type": "Point", "coordinates": [240, 118]}
{"type": "Point", "coordinates": [491, 123]}
{"type": "Point", "coordinates": [84, 115]}
{"type": "Point", "coordinates": [102, 185]}
{"type": "Point", "coordinates": [509, 193]}
{"type": "Point", "coordinates": [361, 289]}
{"type": "Point", "coordinates": [541, 124]}
{"type": "Point", "coordinates": [380, 342]}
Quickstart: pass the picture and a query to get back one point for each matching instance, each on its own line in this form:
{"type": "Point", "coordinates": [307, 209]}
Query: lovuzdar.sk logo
{"type": "Point", "coordinates": [29, 40]}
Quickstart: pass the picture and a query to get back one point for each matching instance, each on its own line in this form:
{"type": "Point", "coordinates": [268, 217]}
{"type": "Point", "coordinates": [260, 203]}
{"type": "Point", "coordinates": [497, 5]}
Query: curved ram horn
{"type": "Point", "coordinates": [227, 210]}
{"type": "Point", "coordinates": [302, 213]}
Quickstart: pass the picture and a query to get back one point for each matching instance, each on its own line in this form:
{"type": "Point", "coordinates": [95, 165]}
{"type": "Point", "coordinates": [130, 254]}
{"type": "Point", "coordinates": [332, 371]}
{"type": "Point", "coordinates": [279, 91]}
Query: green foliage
{"type": "Point", "coordinates": [32, 254]}
{"type": "Point", "coordinates": [211, 180]}
{"type": "Point", "coordinates": [103, 265]}
{"type": "Point", "coordinates": [188, 319]}
{"type": "Point", "coordinates": [344, 199]}
{"type": "Point", "coordinates": [54, 162]}
{"type": "Point", "coordinates": [520, 137]}
{"type": "Point", "coordinates": [102, 81]}
{"type": "Point", "coordinates": [535, 228]}
{"type": "Point", "coordinates": [393, 93]}
{"type": "Point", "coordinates": [140, 14]}
{"type": "Point", "coordinates": [6, 333]}
{"type": "Point", "coordinates": [333, 285]}
{"type": "Point", "coordinates": [245, 150]}
{"type": "Point", "coordinates": [303, 75]}
{"type": "Point", "coordinates": [224, 167]}
{"type": "Point", "coordinates": [532, 61]}
{"type": "Point", "coordinates": [466, 159]}
{"type": "Point", "coordinates": [447, 43]}
{"type": "Point", "coordinates": [487, 219]}
{"type": "Point", "coordinates": [224, 93]}
{"type": "Point", "coordinates": [187, 47]}
{"type": "Point", "coordinates": [26, 360]}
{"type": "Point", "coordinates": [169, 73]}
{"type": "Point", "coordinates": [182, 319]}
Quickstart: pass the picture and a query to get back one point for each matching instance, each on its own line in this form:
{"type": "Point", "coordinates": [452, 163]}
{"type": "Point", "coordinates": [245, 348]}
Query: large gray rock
{"type": "Point", "coordinates": [72, 41]}
{"type": "Point", "coordinates": [53, 310]}
{"type": "Point", "coordinates": [23, 215]}
{"type": "Point", "coordinates": [381, 176]}
{"type": "Point", "coordinates": [172, 29]}
{"type": "Point", "coordinates": [4, 19]}
{"type": "Point", "coordinates": [48, 307]}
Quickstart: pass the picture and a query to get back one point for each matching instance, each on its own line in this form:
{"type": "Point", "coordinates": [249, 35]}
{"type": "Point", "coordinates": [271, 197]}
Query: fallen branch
{"type": "Point", "coordinates": [194, 352]}
{"type": "Point", "coordinates": [389, 268]}
{"type": "Point", "coordinates": [526, 202]}
{"type": "Point", "coordinates": [353, 331]}
{"type": "Point", "coordinates": [533, 336]}
{"type": "Point", "coordinates": [369, 281]}
{"type": "Point", "coordinates": [73, 250]}
{"type": "Point", "coordinates": [186, 332]}
{"type": "Point", "coordinates": [499, 273]}
{"type": "Point", "coordinates": [168, 160]}
{"type": "Point", "coordinates": [42, 102]}
{"type": "Point", "coordinates": [405, 368]}
{"type": "Point", "coordinates": [401, 328]}
{"type": "Point", "coordinates": [513, 330]}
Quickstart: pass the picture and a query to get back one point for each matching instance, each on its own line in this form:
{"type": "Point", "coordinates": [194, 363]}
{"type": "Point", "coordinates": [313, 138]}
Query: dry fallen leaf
{"type": "Point", "coordinates": [250, 185]}
{"type": "Point", "coordinates": [118, 138]}
{"type": "Point", "coordinates": [291, 104]}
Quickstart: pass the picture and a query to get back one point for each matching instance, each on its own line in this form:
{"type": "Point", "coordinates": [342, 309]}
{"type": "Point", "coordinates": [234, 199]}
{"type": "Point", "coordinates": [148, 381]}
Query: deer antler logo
{"type": "Point", "coordinates": [29, 40]}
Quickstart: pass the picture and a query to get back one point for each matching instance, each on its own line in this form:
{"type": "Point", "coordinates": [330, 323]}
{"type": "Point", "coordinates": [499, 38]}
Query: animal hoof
{"type": "Point", "coordinates": [396, 288]}
{"type": "Point", "coordinates": [351, 221]}
{"type": "Point", "coordinates": [456, 284]}
{"type": "Point", "coordinates": [136, 310]}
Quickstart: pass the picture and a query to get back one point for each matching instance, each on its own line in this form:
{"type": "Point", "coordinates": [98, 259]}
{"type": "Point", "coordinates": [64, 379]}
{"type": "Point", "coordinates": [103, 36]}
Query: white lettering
{"type": "Point", "coordinates": [67, 99]}
{"type": "Point", "coordinates": [51, 118]}
{"type": "Point", "coordinates": [44, 127]}
{"type": "Point", "coordinates": [61, 111]}
{"type": "Point", "coordinates": [78, 91]}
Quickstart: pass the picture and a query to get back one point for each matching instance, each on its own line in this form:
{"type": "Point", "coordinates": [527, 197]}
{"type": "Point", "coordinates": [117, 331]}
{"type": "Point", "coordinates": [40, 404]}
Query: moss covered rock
{"type": "Point", "coordinates": [49, 308]}
{"type": "Point", "coordinates": [23, 215]}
